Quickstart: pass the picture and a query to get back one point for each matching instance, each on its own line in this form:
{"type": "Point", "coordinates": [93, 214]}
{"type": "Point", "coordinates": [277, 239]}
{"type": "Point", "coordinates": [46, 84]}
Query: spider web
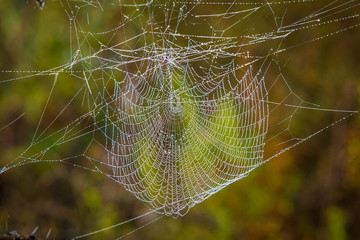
{"type": "Point", "coordinates": [179, 97]}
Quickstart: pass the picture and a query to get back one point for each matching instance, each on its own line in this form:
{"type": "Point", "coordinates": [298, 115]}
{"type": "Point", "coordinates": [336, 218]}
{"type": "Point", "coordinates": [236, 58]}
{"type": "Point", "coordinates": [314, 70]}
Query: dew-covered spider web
{"type": "Point", "coordinates": [176, 100]}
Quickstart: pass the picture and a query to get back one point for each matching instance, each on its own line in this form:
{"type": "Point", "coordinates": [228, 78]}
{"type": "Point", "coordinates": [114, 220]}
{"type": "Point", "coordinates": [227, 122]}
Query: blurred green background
{"type": "Point", "coordinates": [310, 192]}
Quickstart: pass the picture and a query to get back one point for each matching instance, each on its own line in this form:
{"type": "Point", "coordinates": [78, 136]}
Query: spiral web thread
{"type": "Point", "coordinates": [178, 94]}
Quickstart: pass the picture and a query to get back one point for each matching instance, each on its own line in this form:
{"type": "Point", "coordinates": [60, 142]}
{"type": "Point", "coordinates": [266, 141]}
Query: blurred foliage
{"type": "Point", "coordinates": [310, 192]}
